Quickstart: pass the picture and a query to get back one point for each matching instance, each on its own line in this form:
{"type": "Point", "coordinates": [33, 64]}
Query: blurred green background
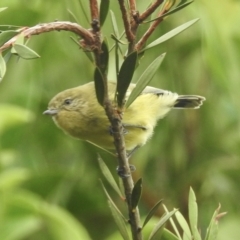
{"type": "Point", "coordinates": [49, 182]}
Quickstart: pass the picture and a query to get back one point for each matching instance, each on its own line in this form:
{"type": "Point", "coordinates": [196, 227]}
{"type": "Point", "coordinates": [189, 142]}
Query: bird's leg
{"type": "Point", "coordinates": [125, 131]}
{"type": "Point", "coordinates": [120, 170]}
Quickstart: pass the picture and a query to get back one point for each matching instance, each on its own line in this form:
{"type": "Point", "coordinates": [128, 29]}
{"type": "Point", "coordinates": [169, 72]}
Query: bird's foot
{"type": "Point", "coordinates": [112, 132]}
{"type": "Point", "coordinates": [122, 173]}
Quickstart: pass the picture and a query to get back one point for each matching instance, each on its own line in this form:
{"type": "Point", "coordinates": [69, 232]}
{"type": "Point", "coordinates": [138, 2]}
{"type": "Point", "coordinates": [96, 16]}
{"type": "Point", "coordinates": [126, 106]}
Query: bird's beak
{"type": "Point", "coordinates": [51, 112]}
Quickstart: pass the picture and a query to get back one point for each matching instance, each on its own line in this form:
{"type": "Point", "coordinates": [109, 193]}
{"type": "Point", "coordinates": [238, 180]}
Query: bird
{"type": "Point", "coordinates": [77, 112]}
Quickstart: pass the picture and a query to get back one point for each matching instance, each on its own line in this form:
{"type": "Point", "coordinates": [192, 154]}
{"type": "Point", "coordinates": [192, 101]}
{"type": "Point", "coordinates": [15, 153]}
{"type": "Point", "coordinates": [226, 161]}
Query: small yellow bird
{"type": "Point", "coordinates": [77, 112]}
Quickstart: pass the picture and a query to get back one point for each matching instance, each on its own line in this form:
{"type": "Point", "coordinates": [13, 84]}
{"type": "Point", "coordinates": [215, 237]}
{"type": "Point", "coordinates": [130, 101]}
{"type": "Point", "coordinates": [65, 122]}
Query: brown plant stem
{"type": "Point", "coordinates": [88, 37]}
{"type": "Point", "coordinates": [133, 6]}
{"type": "Point", "coordinates": [150, 10]}
{"type": "Point", "coordinates": [127, 26]}
{"type": "Point", "coordinates": [117, 129]}
{"type": "Point", "coordinates": [139, 45]}
{"type": "Point", "coordinates": [94, 9]}
{"type": "Point", "coordinates": [115, 118]}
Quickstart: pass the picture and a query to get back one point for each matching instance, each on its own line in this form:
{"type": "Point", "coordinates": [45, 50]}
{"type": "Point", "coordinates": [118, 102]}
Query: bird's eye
{"type": "Point", "coordinates": [67, 101]}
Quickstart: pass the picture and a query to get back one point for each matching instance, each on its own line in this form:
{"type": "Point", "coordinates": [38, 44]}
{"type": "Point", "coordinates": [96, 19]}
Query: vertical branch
{"type": "Point", "coordinates": [94, 9]}
{"type": "Point", "coordinates": [97, 46]}
{"type": "Point", "coordinates": [118, 130]}
{"type": "Point", "coordinates": [119, 142]}
{"type": "Point", "coordinates": [133, 6]}
{"type": "Point", "coordinates": [130, 36]}
{"type": "Point", "coordinates": [131, 23]}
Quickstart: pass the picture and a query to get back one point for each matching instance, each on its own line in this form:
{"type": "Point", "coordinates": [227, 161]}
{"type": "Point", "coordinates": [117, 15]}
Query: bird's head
{"type": "Point", "coordinates": [64, 102]}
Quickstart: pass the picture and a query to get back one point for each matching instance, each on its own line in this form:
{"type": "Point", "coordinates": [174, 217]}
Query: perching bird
{"type": "Point", "coordinates": [77, 112]}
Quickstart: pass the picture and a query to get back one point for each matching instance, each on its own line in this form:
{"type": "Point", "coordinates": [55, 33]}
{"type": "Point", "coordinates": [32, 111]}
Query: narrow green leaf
{"type": "Point", "coordinates": [182, 2]}
{"type": "Point", "coordinates": [3, 67]}
{"type": "Point", "coordinates": [7, 35]}
{"type": "Point", "coordinates": [75, 41]}
{"type": "Point", "coordinates": [212, 230]}
{"type": "Point", "coordinates": [105, 150]}
{"type": "Point", "coordinates": [186, 236]}
{"type": "Point", "coordinates": [112, 203]}
{"type": "Point", "coordinates": [117, 50]}
{"type": "Point", "coordinates": [104, 8]}
{"type": "Point", "coordinates": [72, 16]}
{"type": "Point", "coordinates": [99, 85]}
{"type": "Point", "coordinates": [114, 24]}
{"type": "Point", "coordinates": [7, 56]}
{"type": "Point", "coordinates": [167, 235]}
{"type": "Point", "coordinates": [136, 193]}
{"type": "Point", "coordinates": [116, 58]}
{"type": "Point", "coordinates": [184, 225]}
{"type": "Point", "coordinates": [160, 225]}
{"type": "Point", "coordinates": [179, 7]}
{"type": "Point", "coordinates": [4, 28]}
{"type": "Point", "coordinates": [20, 41]}
{"type": "Point", "coordinates": [117, 40]}
{"type": "Point", "coordinates": [151, 212]}
{"type": "Point", "coordinates": [119, 221]}
{"type": "Point", "coordinates": [108, 175]}
{"type": "Point", "coordinates": [193, 214]}
{"type": "Point", "coordinates": [121, 186]}
{"type": "Point", "coordinates": [170, 34]}
{"type": "Point", "coordinates": [175, 228]}
{"type": "Point", "coordinates": [125, 76]}
{"type": "Point", "coordinates": [100, 72]}
{"type": "Point", "coordinates": [104, 56]}
{"type": "Point", "coordinates": [88, 53]}
{"type": "Point", "coordinates": [89, 56]}
{"type": "Point", "coordinates": [145, 78]}
{"type": "Point", "coordinates": [25, 52]}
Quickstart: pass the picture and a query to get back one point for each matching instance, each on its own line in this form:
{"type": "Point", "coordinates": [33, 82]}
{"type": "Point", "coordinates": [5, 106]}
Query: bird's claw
{"type": "Point", "coordinates": [122, 173]}
{"type": "Point", "coordinates": [125, 131]}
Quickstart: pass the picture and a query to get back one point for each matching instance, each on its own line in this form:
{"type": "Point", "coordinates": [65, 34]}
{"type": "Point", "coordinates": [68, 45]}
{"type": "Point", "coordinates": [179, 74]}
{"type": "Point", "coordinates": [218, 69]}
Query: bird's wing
{"type": "Point", "coordinates": [154, 90]}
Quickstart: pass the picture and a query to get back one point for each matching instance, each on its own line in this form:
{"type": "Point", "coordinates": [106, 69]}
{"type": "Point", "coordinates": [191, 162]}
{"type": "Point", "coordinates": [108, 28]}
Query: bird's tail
{"type": "Point", "coordinates": [188, 101]}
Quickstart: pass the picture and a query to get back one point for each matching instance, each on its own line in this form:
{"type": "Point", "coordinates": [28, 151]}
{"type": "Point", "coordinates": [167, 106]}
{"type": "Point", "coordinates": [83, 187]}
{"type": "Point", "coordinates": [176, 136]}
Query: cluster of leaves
{"type": "Point", "coordinates": [18, 47]}
{"type": "Point", "coordinates": [158, 231]}
{"type": "Point", "coordinates": [131, 62]}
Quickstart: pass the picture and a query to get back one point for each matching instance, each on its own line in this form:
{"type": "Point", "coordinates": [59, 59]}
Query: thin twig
{"type": "Point", "coordinates": [96, 32]}
{"type": "Point", "coordinates": [149, 32]}
{"type": "Point", "coordinates": [132, 4]}
{"type": "Point", "coordinates": [52, 26]}
{"type": "Point", "coordinates": [150, 10]}
{"type": "Point", "coordinates": [94, 9]}
{"type": "Point", "coordinates": [127, 26]}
